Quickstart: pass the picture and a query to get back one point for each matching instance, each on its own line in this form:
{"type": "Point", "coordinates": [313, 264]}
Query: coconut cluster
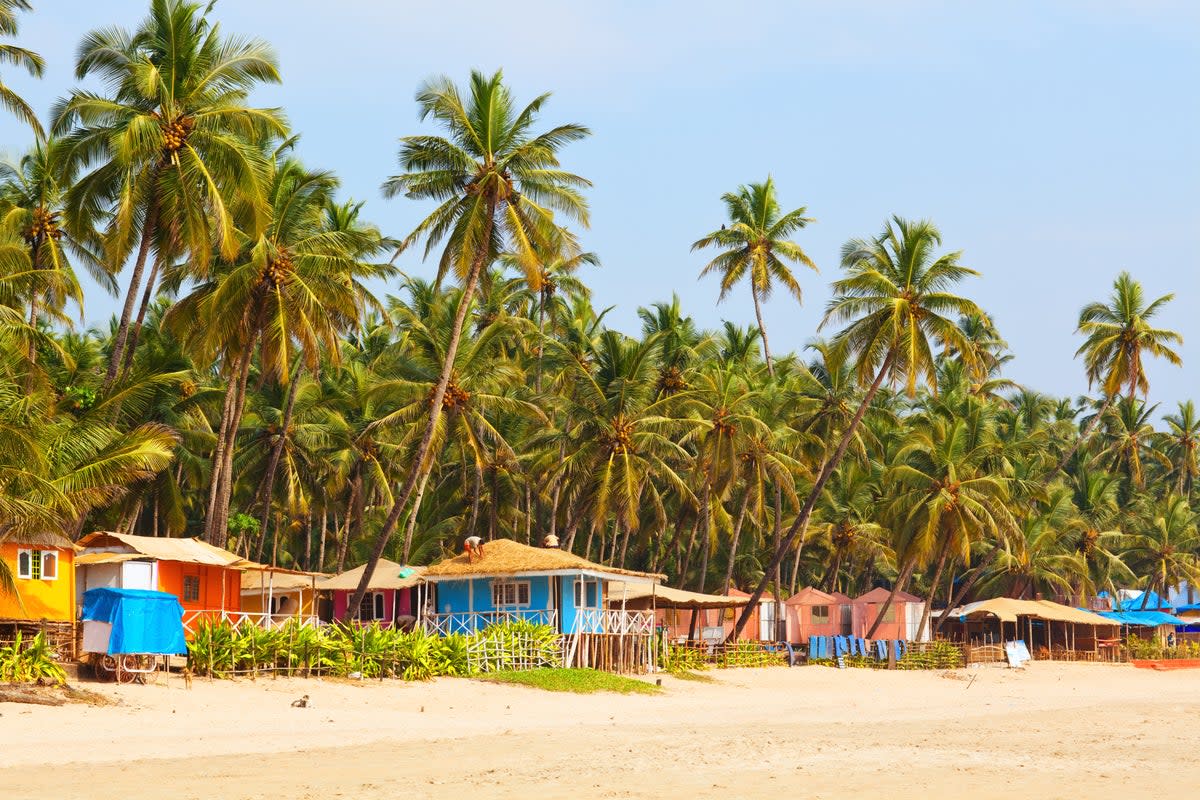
{"type": "Point", "coordinates": [455, 397]}
{"type": "Point", "coordinates": [175, 134]}
{"type": "Point", "coordinates": [620, 441]}
{"type": "Point", "coordinates": [278, 270]}
{"type": "Point", "coordinates": [44, 225]}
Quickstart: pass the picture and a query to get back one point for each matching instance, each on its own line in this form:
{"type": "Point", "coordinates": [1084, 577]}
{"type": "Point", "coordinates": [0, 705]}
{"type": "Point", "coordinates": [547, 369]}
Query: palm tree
{"type": "Point", "coordinates": [20, 57]}
{"type": "Point", "coordinates": [171, 149]}
{"type": "Point", "coordinates": [897, 301]}
{"type": "Point", "coordinates": [1118, 335]}
{"type": "Point", "coordinates": [1165, 547]}
{"type": "Point", "coordinates": [295, 286]}
{"type": "Point", "coordinates": [498, 186]}
{"type": "Point", "coordinates": [31, 202]}
{"type": "Point", "coordinates": [1183, 437]}
{"type": "Point", "coordinates": [755, 244]}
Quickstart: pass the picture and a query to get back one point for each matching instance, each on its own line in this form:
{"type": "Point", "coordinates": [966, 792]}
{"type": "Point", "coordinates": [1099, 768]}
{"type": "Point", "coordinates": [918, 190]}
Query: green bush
{"type": "Point", "coordinates": [1155, 649]}
{"type": "Point", "coordinates": [32, 663]}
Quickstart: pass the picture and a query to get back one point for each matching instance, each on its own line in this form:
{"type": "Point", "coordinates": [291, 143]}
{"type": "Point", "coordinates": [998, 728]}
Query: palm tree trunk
{"type": "Point", "coordinates": [136, 330]}
{"type": "Point", "coordinates": [218, 457]}
{"type": "Point", "coordinates": [801, 521]}
{"type": "Point", "coordinates": [832, 575]}
{"type": "Point", "coordinates": [897, 587]}
{"type": "Point", "coordinates": [268, 493]}
{"type": "Point", "coordinates": [411, 527]}
{"type": "Point", "coordinates": [762, 330]}
{"type": "Point", "coordinates": [733, 544]}
{"type": "Point", "coordinates": [321, 547]}
{"type": "Point", "coordinates": [705, 535]}
{"type": "Point", "coordinates": [957, 599]}
{"type": "Point", "coordinates": [933, 586]}
{"type": "Point", "coordinates": [135, 280]}
{"type": "Point", "coordinates": [435, 411]}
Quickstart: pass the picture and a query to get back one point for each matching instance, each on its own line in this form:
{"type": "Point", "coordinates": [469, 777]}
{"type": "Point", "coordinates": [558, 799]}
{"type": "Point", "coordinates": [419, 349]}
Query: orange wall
{"type": "Point", "coordinates": [172, 573]}
{"type": "Point", "coordinates": [42, 599]}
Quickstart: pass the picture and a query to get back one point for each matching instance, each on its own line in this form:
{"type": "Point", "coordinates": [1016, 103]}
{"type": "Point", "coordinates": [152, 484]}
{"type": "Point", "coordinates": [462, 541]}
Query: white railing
{"type": "Point", "coordinates": [627, 623]}
{"type": "Point", "coordinates": [468, 622]}
{"type": "Point", "coordinates": [192, 619]}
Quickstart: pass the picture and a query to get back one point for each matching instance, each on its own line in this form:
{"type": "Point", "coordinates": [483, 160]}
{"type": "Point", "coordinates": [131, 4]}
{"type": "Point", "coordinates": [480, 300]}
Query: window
{"type": "Point", "coordinates": [37, 565]}
{"type": "Point", "coordinates": [191, 588]}
{"type": "Point", "coordinates": [820, 615]}
{"type": "Point", "coordinates": [890, 616]}
{"type": "Point", "coordinates": [25, 564]}
{"type": "Point", "coordinates": [510, 593]}
{"type": "Point", "coordinates": [587, 594]}
{"type": "Point", "coordinates": [371, 608]}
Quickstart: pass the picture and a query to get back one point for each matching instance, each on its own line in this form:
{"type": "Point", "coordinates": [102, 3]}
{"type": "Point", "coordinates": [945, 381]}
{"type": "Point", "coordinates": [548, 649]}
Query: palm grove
{"type": "Point", "coordinates": [254, 391]}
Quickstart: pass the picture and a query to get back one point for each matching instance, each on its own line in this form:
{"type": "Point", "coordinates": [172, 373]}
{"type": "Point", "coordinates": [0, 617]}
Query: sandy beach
{"type": "Point", "coordinates": [1052, 730]}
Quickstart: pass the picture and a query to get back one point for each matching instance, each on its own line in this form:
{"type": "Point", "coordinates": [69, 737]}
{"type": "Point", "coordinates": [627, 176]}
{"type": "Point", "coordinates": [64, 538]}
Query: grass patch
{"type": "Point", "coordinates": [697, 677]}
{"type": "Point", "coordinates": [578, 681]}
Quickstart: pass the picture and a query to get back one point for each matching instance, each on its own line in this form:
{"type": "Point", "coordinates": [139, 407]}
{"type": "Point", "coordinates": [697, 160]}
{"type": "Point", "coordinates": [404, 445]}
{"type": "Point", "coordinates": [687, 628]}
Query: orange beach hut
{"type": "Point", "coordinates": [900, 621]}
{"type": "Point", "coordinates": [811, 612]}
{"type": "Point", "coordinates": [42, 568]}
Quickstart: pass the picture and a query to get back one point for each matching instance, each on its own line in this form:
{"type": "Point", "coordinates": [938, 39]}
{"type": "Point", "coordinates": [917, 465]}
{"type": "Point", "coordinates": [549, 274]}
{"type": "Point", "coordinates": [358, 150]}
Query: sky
{"type": "Point", "coordinates": [1054, 142]}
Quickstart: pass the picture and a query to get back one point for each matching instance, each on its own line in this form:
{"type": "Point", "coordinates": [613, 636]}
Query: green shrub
{"type": "Point", "coordinates": [31, 663]}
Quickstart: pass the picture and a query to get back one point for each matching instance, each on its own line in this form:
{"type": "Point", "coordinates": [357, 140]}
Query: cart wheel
{"type": "Point", "coordinates": [106, 667]}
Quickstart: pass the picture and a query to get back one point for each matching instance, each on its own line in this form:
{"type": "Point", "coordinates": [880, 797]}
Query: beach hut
{"type": "Point", "coordinates": [281, 594]}
{"type": "Point", "coordinates": [1050, 630]}
{"type": "Point", "coordinates": [763, 625]}
{"type": "Point", "coordinates": [392, 597]}
{"type": "Point", "coordinates": [515, 581]}
{"type": "Point", "coordinates": [42, 568]}
{"type": "Point", "coordinates": [683, 616]}
{"type": "Point", "coordinates": [206, 579]}
{"type": "Point", "coordinates": [900, 621]}
{"type": "Point", "coordinates": [811, 612]}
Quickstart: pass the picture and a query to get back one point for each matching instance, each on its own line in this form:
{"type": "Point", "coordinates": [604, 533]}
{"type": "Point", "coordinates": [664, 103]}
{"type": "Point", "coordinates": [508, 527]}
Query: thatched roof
{"type": "Point", "coordinates": [386, 576]}
{"type": "Point", "coordinates": [188, 551]}
{"type": "Point", "coordinates": [643, 595]}
{"type": "Point", "coordinates": [506, 557]}
{"type": "Point", "coordinates": [39, 539]}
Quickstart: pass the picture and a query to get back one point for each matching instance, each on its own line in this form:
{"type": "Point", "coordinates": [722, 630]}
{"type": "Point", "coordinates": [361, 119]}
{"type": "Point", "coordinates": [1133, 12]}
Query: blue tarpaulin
{"type": "Point", "coordinates": [142, 621]}
{"type": "Point", "coordinates": [1143, 618]}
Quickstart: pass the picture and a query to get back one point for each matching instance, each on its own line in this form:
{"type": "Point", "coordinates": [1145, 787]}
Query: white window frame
{"type": "Point", "coordinates": [500, 588]}
{"type": "Point", "coordinates": [378, 600]}
{"type": "Point", "coordinates": [53, 554]}
{"type": "Point", "coordinates": [38, 556]}
{"type": "Point", "coordinates": [581, 593]}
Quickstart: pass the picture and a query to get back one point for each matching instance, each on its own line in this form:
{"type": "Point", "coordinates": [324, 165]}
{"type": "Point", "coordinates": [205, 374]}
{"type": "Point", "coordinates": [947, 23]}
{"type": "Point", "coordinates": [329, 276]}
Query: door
{"type": "Point", "coordinates": [766, 622]}
{"type": "Point", "coordinates": [137, 575]}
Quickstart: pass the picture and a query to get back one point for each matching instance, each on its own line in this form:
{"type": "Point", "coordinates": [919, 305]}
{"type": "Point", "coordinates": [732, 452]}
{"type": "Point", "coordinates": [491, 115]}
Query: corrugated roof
{"type": "Point", "coordinates": [666, 596]}
{"type": "Point", "coordinates": [279, 578]}
{"type": "Point", "coordinates": [105, 558]}
{"type": "Point", "coordinates": [188, 551]}
{"type": "Point", "coordinates": [506, 557]}
{"type": "Point", "coordinates": [387, 575]}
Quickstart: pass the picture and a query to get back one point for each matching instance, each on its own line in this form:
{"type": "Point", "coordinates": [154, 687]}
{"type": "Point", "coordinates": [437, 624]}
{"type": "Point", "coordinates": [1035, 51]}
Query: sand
{"type": "Point", "coordinates": [1051, 730]}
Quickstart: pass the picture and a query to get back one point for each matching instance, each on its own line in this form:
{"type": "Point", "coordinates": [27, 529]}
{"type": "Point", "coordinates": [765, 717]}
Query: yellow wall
{"type": "Point", "coordinates": [40, 599]}
{"type": "Point", "coordinates": [300, 603]}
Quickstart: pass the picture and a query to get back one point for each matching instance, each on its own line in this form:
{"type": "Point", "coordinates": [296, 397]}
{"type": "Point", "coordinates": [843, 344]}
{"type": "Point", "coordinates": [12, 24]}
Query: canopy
{"type": "Point", "coordinates": [279, 579]}
{"type": "Point", "coordinates": [161, 548]}
{"type": "Point", "coordinates": [142, 621]}
{"type": "Point", "coordinates": [1145, 619]}
{"type": "Point", "coordinates": [504, 557]}
{"type": "Point", "coordinates": [387, 575]}
{"type": "Point", "coordinates": [1007, 609]}
{"type": "Point", "coordinates": [637, 594]}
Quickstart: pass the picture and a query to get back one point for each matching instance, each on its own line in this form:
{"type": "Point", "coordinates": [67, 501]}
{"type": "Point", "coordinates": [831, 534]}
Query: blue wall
{"type": "Point", "coordinates": [454, 597]}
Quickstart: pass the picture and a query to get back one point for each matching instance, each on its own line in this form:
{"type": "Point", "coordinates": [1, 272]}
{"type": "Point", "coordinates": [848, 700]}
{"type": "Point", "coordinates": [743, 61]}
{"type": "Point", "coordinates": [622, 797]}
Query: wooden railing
{"type": "Point", "coordinates": [615, 621]}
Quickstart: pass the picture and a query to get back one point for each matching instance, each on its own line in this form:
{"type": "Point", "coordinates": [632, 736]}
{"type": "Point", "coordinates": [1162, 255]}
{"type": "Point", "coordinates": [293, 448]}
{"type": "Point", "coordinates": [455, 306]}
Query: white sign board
{"type": "Point", "coordinates": [1017, 653]}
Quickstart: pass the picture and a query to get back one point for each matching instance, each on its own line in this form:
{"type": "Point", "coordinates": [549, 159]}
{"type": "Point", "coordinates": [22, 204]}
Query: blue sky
{"type": "Point", "coordinates": [1055, 143]}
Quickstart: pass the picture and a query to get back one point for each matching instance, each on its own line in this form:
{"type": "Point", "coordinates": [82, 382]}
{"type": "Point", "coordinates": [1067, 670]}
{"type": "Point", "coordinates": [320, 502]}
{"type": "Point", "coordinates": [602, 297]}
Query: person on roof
{"type": "Point", "coordinates": [473, 547]}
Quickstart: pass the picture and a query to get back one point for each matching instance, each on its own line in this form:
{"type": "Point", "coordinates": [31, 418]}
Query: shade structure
{"type": "Point", "coordinates": [387, 575]}
{"type": "Point", "coordinates": [639, 595]}
{"type": "Point", "coordinates": [277, 578]}
{"type": "Point", "coordinates": [1007, 609]}
{"type": "Point", "coordinates": [187, 551]}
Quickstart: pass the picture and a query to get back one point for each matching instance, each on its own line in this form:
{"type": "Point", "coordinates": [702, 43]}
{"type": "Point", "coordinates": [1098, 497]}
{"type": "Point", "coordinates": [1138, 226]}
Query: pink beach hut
{"type": "Point", "coordinates": [900, 621]}
{"type": "Point", "coordinates": [392, 597]}
{"type": "Point", "coordinates": [811, 612]}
